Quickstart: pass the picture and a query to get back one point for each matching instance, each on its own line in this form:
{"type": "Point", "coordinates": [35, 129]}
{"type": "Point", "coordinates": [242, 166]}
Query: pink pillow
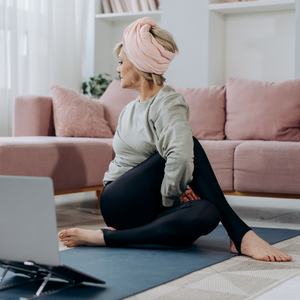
{"type": "Point", "coordinates": [207, 111]}
{"type": "Point", "coordinates": [114, 99]}
{"type": "Point", "coordinates": [263, 111]}
{"type": "Point", "coordinates": [77, 115]}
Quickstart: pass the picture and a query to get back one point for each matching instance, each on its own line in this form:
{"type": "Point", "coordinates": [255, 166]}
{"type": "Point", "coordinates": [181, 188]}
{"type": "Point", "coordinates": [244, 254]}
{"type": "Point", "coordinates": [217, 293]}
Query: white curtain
{"type": "Point", "coordinates": [41, 42]}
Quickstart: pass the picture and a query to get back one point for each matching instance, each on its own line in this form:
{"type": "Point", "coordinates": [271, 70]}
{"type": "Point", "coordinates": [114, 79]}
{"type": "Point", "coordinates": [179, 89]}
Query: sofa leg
{"type": "Point", "coordinates": [97, 188]}
{"type": "Point", "coordinates": [98, 194]}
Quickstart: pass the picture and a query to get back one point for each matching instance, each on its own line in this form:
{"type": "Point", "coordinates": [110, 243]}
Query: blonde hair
{"type": "Point", "coordinates": [164, 38]}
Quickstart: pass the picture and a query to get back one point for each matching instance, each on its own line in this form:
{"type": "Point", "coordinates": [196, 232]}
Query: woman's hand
{"type": "Point", "coordinates": [188, 195]}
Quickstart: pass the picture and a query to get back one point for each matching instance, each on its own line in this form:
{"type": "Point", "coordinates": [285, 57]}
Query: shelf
{"type": "Point", "coordinates": [253, 6]}
{"type": "Point", "coordinates": [129, 16]}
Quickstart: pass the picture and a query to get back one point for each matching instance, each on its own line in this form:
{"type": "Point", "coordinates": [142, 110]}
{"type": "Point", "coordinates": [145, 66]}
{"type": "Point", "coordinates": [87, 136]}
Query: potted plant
{"type": "Point", "coordinates": [96, 86]}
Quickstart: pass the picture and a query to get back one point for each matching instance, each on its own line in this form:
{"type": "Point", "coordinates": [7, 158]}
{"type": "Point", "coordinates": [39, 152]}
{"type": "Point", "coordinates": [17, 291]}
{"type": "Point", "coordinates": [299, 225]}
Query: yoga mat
{"type": "Point", "coordinates": [128, 271]}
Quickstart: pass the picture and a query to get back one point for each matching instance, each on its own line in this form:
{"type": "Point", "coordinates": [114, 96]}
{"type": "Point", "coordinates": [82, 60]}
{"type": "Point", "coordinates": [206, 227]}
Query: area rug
{"type": "Point", "coordinates": [238, 278]}
{"type": "Point", "coordinates": [131, 270]}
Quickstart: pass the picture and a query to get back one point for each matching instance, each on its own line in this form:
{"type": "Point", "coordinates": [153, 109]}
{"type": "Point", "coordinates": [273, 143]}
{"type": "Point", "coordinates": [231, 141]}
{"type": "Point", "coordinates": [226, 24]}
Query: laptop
{"type": "Point", "coordinates": [28, 231]}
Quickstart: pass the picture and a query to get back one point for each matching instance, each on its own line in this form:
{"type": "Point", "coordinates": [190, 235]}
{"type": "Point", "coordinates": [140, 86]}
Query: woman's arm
{"type": "Point", "coordinates": [175, 144]}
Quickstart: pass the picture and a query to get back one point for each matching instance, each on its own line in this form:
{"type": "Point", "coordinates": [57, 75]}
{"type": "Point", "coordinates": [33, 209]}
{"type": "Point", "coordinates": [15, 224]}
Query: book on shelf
{"type": "Point", "coordinates": [113, 6]}
{"type": "Point", "coordinates": [134, 5]}
{"type": "Point", "coordinates": [128, 5]}
{"type": "Point", "coordinates": [124, 5]}
{"type": "Point", "coordinates": [121, 6]}
{"type": "Point", "coordinates": [118, 6]}
{"type": "Point", "coordinates": [99, 7]}
{"type": "Point", "coordinates": [106, 6]}
{"type": "Point", "coordinates": [144, 5]}
{"type": "Point", "coordinates": [153, 4]}
{"type": "Point", "coordinates": [228, 1]}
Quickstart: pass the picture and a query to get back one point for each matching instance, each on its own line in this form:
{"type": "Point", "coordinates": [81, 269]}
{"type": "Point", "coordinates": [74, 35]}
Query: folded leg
{"type": "Point", "coordinates": [178, 226]}
{"type": "Point", "coordinates": [134, 199]}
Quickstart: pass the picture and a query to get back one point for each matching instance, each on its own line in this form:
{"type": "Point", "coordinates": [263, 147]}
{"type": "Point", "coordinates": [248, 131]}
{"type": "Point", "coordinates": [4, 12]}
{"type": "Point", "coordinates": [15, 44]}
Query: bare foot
{"type": "Point", "coordinates": [77, 237]}
{"type": "Point", "coordinates": [255, 247]}
{"type": "Point", "coordinates": [232, 247]}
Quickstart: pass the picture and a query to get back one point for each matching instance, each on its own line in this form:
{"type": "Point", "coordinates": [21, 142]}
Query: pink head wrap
{"type": "Point", "coordinates": [142, 49]}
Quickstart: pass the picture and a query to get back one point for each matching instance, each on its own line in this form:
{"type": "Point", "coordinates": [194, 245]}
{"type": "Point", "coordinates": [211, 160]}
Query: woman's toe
{"type": "Point", "coordinates": [283, 258]}
{"type": "Point", "coordinates": [65, 239]}
{"type": "Point", "coordinates": [266, 258]}
{"type": "Point", "coordinates": [68, 244]}
{"type": "Point", "coordinates": [62, 234]}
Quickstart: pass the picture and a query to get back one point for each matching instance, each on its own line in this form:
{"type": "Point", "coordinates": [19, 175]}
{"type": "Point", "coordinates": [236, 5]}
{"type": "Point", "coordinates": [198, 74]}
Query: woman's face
{"type": "Point", "coordinates": [129, 78]}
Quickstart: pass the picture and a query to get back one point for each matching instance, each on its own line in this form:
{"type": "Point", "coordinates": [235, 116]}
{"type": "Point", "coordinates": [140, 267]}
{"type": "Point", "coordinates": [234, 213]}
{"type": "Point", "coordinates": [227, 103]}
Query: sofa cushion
{"type": "Point", "coordinates": [33, 115]}
{"type": "Point", "coordinates": [110, 143]}
{"type": "Point", "coordinates": [263, 111]}
{"type": "Point", "coordinates": [221, 156]}
{"type": "Point", "coordinates": [268, 167]}
{"type": "Point", "coordinates": [70, 162]}
{"type": "Point", "coordinates": [114, 100]}
{"type": "Point", "coordinates": [77, 115]}
{"type": "Point", "coordinates": [207, 111]}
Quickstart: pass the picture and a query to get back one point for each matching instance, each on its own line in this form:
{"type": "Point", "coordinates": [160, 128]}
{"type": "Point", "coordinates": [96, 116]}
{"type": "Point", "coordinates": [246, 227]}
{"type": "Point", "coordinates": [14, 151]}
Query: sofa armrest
{"type": "Point", "coordinates": [33, 116]}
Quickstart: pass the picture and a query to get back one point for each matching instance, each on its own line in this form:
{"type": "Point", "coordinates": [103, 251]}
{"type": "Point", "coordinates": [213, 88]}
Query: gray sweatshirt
{"type": "Point", "coordinates": [157, 124]}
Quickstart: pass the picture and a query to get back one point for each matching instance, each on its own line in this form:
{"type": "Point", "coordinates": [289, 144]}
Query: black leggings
{"type": "Point", "coordinates": [132, 204]}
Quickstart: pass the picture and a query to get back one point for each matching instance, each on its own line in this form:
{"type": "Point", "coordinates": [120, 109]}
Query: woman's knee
{"type": "Point", "coordinates": [206, 216]}
{"type": "Point", "coordinates": [200, 218]}
{"type": "Point", "coordinates": [203, 205]}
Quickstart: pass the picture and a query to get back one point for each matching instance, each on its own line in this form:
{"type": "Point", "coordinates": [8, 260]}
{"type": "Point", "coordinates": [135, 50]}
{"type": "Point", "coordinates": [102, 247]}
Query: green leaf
{"type": "Point", "coordinates": [97, 85]}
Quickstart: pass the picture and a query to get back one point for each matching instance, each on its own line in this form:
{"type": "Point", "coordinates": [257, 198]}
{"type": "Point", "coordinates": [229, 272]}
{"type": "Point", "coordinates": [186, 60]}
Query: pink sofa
{"type": "Point", "coordinates": [250, 131]}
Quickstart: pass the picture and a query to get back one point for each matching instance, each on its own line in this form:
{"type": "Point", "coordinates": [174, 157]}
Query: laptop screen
{"type": "Point", "coordinates": [28, 229]}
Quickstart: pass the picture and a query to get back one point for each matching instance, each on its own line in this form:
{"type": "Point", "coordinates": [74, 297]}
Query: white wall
{"type": "Point", "coordinates": [188, 22]}
{"type": "Point", "coordinates": [88, 68]}
{"type": "Point", "coordinates": [260, 46]}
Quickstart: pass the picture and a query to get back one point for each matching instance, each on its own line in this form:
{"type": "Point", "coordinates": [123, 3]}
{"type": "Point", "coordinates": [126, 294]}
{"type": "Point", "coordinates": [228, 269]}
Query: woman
{"type": "Point", "coordinates": [152, 186]}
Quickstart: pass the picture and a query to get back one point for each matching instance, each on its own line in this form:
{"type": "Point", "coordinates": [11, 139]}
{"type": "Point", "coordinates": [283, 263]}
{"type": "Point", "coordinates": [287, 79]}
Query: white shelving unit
{"type": "Point", "coordinates": [128, 16]}
{"type": "Point", "coordinates": [252, 6]}
{"type": "Point", "coordinates": [253, 40]}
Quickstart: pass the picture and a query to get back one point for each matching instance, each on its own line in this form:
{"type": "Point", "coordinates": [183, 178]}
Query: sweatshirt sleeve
{"type": "Point", "coordinates": [175, 144]}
